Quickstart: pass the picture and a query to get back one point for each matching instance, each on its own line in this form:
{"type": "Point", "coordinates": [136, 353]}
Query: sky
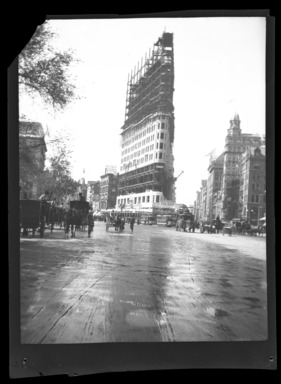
{"type": "Point", "coordinates": [219, 70]}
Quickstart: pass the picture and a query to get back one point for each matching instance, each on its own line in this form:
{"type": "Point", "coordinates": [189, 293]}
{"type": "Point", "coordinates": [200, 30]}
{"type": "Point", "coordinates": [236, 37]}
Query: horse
{"type": "Point", "coordinates": [181, 224]}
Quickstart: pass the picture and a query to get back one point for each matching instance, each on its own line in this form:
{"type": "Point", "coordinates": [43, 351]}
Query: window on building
{"type": "Point", "coordinates": [156, 155]}
{"type": "Point", "coordinates": [139, 199]}
{"type": "Point", "coordinates": [147, 199]}
{"type": "Point", "coordinates": [146, 158]}
{"type": "Point", "coordinates": [253, 198]}
{"type": "Point", "coordinates": [143, 199]}
{"type": "Point", "coordinates": [161, 145]}
{"type": "Point", "coordinates": [135, 201]}
{"type": "Point", "coordinates": [257, 198]}
{"type": "Point", "coordinates": [162, 125]}
{"type": "Point", "coordinates": [160, 155]}
{"type": "Point", "coordinates": [158, 135]}
{"type": "Point", "coordinates": [162, 135]}
{"type": "Point", "coordinates": [157, 199]}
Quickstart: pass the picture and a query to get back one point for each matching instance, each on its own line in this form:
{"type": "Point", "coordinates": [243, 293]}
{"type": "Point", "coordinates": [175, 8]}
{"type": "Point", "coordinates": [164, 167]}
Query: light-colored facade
{"type": "Point", "coordinates": [147, 135]}
{"type": "Point", "coordinates": [93, 194]}
{"type": "Point", "coordinates": [236, 143]}
{"type": "Point", "coordinates": [214, 183]}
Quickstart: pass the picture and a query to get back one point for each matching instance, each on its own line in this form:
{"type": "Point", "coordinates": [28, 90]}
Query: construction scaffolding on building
{"type": "Point", "coordinates": [150, 86]}
{"type": "Point", "coordinates": [149, 96]}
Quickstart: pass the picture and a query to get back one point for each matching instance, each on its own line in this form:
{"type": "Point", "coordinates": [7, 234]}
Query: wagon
{"type": "Point", "coordinates": [32, 216]}
{"type": "Point", "coordinates": [117, 223]}
{"type": "Point", "coordinates": [227, 229]}
{"type": "Point", "coordinates": [207, 228]}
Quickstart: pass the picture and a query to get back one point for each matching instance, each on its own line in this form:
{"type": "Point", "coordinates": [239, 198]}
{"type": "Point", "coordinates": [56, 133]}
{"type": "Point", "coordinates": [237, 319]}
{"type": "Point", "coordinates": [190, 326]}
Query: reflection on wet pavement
{"type": "Point", "coordinates": [154, 285]}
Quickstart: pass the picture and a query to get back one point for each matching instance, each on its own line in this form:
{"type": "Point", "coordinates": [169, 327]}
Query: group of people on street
{"type": "Point", "coordinates": [119, 221]}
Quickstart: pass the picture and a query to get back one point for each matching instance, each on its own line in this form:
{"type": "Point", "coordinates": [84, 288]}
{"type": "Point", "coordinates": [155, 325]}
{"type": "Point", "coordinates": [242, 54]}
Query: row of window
{"type": "Point", "coordinates": [131, 137]}
{"type": "Point", "coordinates": [256, 199]}
{"type": "Point", "coordinates": [160, 155]}
{"type": "Point", "coordinates": [257, 186]}
{"type": "Point", "coordinates": [160, 145]}
{"type": "Point", "coordinates": [138, 200]}
{"type": "Point", "coordinates": [161, 136]}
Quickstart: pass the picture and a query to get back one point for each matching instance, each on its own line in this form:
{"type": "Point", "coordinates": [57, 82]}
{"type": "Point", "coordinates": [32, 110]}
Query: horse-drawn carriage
{"type": "Point", "coordinates": [227, 229]}
{"type": "Point", "coordinates": [76, 217]}
{"type": "Point", "coordinates": [117, 222]}
{"type": "Point", "coordinates": [207, 227]}
{"type": "Point", "coordinates": [184, 221]}
{"type": "Point", "coordinates": [33, 216]}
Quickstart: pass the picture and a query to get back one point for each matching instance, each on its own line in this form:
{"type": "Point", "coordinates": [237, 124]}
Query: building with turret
{"type": "Point", "coordinates": [236, 186]}
{"type": "Point", "coordinates": [147, 136]}
{"type": "Point", "coordinates": [236, 143]}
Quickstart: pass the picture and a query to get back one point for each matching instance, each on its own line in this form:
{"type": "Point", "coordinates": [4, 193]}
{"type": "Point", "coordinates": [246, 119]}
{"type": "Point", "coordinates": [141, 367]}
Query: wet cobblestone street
{"type": "Point", "coordinates": [153, 285]}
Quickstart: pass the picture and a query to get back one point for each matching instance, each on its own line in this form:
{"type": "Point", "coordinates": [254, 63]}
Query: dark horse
{"type": "Point", "coordinates": [71, 220]}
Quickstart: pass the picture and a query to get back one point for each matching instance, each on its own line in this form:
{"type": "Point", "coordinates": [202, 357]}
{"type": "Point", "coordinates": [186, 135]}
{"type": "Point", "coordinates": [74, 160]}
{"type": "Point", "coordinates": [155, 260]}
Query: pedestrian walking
{"type": "Point", "coordinates": [132, 222]}
{"type": "Point", "coordinates": [91, 222]}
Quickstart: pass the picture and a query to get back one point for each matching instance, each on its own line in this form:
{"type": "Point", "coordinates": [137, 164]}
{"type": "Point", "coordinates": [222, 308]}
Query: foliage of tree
{"type": "Point", "coordinates": [57, 177]}
{"type": "Point", "coordinates": [44, 70]}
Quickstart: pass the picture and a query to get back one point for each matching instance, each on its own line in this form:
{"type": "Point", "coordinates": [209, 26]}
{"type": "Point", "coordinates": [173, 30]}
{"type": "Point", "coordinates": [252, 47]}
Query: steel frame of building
{"type": "Point", "coordinates": [150, 90]}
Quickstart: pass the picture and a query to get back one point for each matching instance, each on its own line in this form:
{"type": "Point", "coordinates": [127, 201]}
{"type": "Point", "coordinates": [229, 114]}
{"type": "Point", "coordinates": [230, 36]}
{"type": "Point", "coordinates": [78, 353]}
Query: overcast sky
{"type": "Point", "coordinates": [219, 70]}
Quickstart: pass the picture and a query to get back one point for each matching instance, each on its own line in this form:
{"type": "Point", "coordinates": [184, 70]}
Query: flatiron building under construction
{"type": "Point", "coordinates": [146, 176]}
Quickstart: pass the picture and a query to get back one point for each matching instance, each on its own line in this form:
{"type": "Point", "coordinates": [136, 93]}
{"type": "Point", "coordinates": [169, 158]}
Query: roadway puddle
{"type": "Point", "coordinates": [218, 313]}
{"type": "Point", "coordinates": [140, 318]}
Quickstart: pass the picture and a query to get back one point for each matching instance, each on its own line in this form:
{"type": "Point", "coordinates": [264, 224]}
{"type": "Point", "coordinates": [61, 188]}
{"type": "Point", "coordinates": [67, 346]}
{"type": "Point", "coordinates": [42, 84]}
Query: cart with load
{"type": "Point", "coordinates": [117, 222]}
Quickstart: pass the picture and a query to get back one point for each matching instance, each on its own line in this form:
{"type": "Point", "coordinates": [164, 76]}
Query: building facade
{"type": "Point", "coordinates": [253, 184]}
{"type": "Point", "coordinates": [203, 203]}
{"type": "Point", "coordinates": [93, 194]}
{"type": "Point", "coordinates": [108, 191]}
{"type": "Point", "coordinates": [214, 183]}
{"type": "Point", "coordinates": [236, 143]}
{"type": "Point", "coordinates": [148, 132]}
{"type": "Point", "coordinates": [32, 155]}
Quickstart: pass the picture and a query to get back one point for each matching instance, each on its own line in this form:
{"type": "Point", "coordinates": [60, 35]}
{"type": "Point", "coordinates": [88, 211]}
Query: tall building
{"type": "Point", "coordinates": [203, 203]}
{"type": "Point", "coordinates": [147, 136]}
{"type": "Point", "coordinates": [214, 185]}
{"type": "Point", "coordinates": [253, 184]}
{"type": "Point", "coordinates": [236, 143]}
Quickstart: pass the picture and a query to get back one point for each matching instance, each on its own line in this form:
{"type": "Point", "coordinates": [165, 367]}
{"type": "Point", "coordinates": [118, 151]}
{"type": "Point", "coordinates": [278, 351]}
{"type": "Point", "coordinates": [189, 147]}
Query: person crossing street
{"type": "Point", "coordinates": [132, 222]}
{"type": "Point", "coordinates": [91, 223]}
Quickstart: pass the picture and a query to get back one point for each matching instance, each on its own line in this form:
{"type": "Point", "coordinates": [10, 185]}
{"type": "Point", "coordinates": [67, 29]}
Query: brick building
{"type": "Point", "coordinates": [108, 191]}
{"type": "Point", "coordinates": [32, 155]}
